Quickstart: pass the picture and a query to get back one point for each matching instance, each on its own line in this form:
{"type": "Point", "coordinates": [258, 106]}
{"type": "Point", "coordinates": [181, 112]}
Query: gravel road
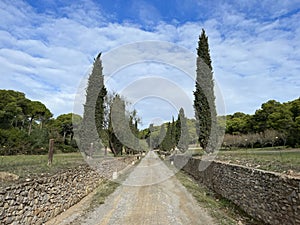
{"type": "Point", "coordinates": [150, 195]}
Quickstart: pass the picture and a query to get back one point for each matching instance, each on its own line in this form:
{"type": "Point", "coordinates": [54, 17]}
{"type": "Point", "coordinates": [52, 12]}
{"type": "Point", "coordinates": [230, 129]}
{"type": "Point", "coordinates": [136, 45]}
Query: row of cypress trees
{"type": "Point", "coordinates": [93, 124]}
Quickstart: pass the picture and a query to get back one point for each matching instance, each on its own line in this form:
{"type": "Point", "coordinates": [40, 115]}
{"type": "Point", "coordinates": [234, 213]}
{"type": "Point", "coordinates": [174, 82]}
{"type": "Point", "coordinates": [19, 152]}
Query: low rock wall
{"type": "Point", "coordinates": [37, 201]}
{"type": "Point", "coordinates": [270, 197]}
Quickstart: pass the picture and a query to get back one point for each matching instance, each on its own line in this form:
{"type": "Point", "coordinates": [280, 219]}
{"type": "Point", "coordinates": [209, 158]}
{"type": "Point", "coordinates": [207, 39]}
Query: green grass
{"type": "Point", "coordinates": [106, 188]}
{"type": "Point", "coordinates": [28, 166]}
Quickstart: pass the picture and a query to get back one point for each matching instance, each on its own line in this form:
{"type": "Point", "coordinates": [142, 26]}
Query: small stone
{"type": "Point", "coordinates": [6, 205]}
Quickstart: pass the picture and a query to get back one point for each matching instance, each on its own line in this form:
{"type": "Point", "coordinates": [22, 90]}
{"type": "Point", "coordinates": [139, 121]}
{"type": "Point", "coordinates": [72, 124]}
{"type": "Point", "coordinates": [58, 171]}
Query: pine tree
{"type": "Point", "coordinates": [204, 102]}
{"type": "Point", "coordinates": [183, 139]}
{"type": "Point", "coordinates": [93, 115]}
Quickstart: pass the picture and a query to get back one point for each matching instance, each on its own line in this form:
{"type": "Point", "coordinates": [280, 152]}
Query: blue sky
{"type": "Point", "coordinates": [47, 48]}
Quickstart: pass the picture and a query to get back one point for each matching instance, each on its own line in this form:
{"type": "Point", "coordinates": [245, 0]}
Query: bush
{"type": "Point", "coordinates": [66, 148]}
{"type": "Point", "coordinates": [13, 141]}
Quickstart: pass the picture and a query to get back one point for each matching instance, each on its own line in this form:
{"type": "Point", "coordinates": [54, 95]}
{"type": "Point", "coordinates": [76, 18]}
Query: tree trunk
{"type": "Point", "coordinates": [50, 153]}
{"type": "Point", "coordinates": [64, 136]}
{"type": "Point", "coordinates": [30, 126]}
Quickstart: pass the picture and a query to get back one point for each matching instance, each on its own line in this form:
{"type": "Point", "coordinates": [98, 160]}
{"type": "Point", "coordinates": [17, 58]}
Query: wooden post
{"type": "Point", "coordinates": [105, 150]}
{"type": "Point", "coordinates": [50, 153]}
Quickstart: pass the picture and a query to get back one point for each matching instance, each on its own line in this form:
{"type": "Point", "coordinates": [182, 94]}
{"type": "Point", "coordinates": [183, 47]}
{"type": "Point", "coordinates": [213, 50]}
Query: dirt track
{"type": "Point", "coordinates": [150, 195]}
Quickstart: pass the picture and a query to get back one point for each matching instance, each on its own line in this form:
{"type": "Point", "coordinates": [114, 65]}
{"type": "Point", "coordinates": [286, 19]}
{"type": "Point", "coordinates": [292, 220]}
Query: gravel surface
{"type": "Point", "coordinates": [151, 194]}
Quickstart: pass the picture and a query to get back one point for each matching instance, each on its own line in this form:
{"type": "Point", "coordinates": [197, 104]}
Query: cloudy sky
{"type": "Point", "coordinates": [47, 49]}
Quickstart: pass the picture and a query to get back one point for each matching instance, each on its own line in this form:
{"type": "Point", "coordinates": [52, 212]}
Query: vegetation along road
{"type": "Point", "coordinates": [149, 195]}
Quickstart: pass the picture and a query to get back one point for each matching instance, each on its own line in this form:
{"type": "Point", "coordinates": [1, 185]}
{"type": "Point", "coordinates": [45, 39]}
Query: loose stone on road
{"type": "Point", "coordinates": [150, 195]}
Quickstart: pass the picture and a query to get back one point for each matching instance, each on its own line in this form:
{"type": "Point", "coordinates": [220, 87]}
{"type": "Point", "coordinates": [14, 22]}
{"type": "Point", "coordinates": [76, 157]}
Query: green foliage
{"type": "Point", "coordinates": [273, 116]}
{"type": "Point", "coordinates": [37, 111]}
{"type": "Point", "coordinates": [12, 107]}
{"type": "Point", "coordinates": [167, 144]}
{"type": "Point", "coordinates": [93, 116]}
{"type": "Point", "coordinates": [204, 102]}
{"type": "Point", "coordinates": [39, 139]}
{"type": "Point", "coordinates": [116, 125]}
{"type": "Point", "coordinates": [132, 135]}
{"type": "Point", "coordinates": [14, 141]}
{"type": "Point", "coordinates": [182, 132]}
{"type": "Point", "coordinates": [237, 123]}
{"type": "Point", "coordinates": [18, 111]}
{"type": "Point", "coordinates": [23, 123]}
{"type": "Point", "coordinates": [203, 49]}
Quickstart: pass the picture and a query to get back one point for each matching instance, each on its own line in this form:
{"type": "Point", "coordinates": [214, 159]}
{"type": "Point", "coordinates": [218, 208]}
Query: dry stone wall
{"type": "Point", "coordinates": [37, 201]}
{"type": "Point", "coordinates": [270, 197]}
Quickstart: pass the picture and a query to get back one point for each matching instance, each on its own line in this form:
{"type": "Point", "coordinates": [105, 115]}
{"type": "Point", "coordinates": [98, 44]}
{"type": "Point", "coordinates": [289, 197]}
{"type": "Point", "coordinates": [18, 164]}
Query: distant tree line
{"type": "Point", "coordinates": [170, 135]}
{"type": "Point", "coordinates": [26, 126]}
{"type": "Point", "coordinates": [274, 123]}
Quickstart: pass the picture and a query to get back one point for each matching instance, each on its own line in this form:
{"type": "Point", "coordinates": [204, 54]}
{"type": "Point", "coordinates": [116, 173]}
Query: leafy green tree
{"type": "Point", "coordinates": [12, 107]}
{"type": "Point", "coordinates": [294, 107]}
{"type": "Point", "coordinates": [261, 116]}
{"type": "Point", "coordinates": [238, 123]}
{"type": "Point", "coordinates": [63, 124]}
{"type": "Point", "coordinates": [16, 113]}
{"type": "Point", "coordinates": [204, 102]}
{"type": "Point", "coordinates": [183, 139]}
{"type": "Point", "coordinates": [293, 134]}
{"type": "Point", "coordinates": [37, 111]}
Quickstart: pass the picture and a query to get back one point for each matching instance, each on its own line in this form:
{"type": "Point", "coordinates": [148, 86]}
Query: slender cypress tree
{"type": "Point", "coordinates": [183, 139]}
{"type": "Point", "coordinates": [204, 102]}
{"type": "Point", "coordinates": [162, 134]}
{"type": "Point", "coordinates": [117, 124]}
{"type": "Point", "coordinates": [178, 130]}
{"type": "Point", "coordinates": [166, 144]}
{"type": "Point", "coordinates": [93, 115]}
{"type": "Point", "coordinates": [173, 133]}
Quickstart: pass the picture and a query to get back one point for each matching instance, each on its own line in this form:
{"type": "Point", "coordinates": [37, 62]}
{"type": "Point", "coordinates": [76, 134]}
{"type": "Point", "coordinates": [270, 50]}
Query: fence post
{"type": "Point", "coordinates": [50, 153]}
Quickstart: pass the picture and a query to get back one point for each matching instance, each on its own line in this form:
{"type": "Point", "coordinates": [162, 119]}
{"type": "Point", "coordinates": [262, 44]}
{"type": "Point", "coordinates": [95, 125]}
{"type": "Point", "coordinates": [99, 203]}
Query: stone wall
{"type": "Point", "coordinates": [267, 196]}
{"type": "Point", "coordinates": [37, 201]}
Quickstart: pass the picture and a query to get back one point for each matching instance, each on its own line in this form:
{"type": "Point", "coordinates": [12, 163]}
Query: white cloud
{"type": "Point", "coordinates": [46, 56]}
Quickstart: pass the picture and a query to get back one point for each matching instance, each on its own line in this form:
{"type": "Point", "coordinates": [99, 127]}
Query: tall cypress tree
{"type": "Point", "coordinates": [166, 144]}
{"type": "Point", "coordinates": [204, 102]}
{"type": "Point", "coordinates": [173, 133]}
{"type": "Point", "coordinates": [183, 139]}
{"type": "Point", "coordinates": [93, 115]}
{"type": "Point", "coordinates": [117, 125]}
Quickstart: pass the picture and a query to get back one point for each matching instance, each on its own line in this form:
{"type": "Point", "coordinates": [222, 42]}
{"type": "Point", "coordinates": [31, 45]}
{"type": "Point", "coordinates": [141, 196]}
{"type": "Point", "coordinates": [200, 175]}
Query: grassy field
{"type": "Point", "coordinates": [282, 161]}
{"type": "Point", "coordinates": [271, 159]}
{"type": "Point", "coordinates": [28, 166]}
